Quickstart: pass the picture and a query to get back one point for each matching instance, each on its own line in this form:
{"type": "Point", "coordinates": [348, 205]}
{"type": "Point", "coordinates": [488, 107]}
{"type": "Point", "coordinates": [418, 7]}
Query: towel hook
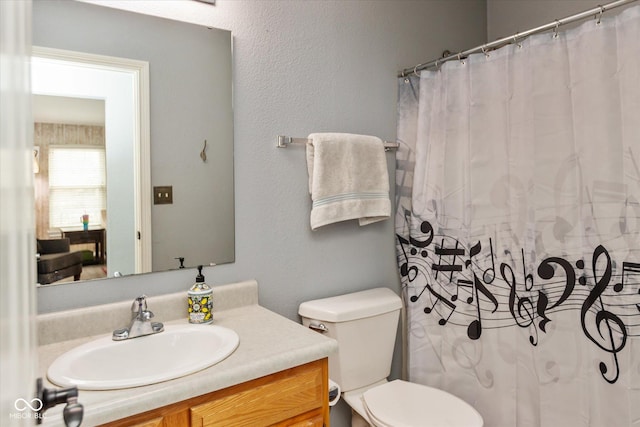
{"type": "Point", "coordinates": [203, 154]}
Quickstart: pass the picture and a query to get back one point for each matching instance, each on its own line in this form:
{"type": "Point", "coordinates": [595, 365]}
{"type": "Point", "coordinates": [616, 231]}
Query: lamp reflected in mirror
{"type": "Point", "coordinates": [36, 159]}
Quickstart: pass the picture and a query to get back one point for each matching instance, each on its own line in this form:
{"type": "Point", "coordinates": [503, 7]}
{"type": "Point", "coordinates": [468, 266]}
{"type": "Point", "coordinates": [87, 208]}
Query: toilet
{"type": "Point", "coordinates": [364, 324]}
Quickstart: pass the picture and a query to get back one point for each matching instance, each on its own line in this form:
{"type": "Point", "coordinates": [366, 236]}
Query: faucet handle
{"type": "Point", "coordinates": [137, 306]}
{"type": "Point", "coordinates": [141, 323]}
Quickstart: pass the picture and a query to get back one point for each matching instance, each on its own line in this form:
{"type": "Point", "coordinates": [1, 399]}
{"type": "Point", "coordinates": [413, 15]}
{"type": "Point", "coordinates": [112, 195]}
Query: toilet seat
{"type": "Point", "coordinates": [403, 404]}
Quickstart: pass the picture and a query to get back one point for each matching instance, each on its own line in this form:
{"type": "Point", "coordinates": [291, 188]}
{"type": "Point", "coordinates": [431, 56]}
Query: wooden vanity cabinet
{"type": "Point", "coordinates": [293, 397]}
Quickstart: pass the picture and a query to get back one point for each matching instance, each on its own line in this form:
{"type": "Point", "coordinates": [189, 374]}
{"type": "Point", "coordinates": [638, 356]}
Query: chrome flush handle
{"type": "Point", "coordinates": [318, 327]}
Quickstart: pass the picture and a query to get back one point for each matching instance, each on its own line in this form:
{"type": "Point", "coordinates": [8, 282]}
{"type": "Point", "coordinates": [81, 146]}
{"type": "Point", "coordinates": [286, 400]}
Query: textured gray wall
{"type": "Point", "coordinates": [507, 17]}
{"type": "Point", "coordinates": [303, 67]}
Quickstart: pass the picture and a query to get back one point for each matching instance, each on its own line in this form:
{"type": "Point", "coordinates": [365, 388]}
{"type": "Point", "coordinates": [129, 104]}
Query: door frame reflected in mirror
{"type": "Point", "coordinates": [140, 235]}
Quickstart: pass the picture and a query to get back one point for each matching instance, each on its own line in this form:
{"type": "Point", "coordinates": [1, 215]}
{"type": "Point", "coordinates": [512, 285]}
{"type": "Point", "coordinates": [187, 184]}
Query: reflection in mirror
{"type": "Point", "coordinates": [70, 180]}
{"type": "Point", "coordinates": [120, 147]}
{"type": "Point", "coordinates": [190, 103]}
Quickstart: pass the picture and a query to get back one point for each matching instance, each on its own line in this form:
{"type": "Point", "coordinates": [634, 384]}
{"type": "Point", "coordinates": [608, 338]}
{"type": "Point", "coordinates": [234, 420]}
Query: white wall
{"type": "Point", "coordinates": [302, 67]}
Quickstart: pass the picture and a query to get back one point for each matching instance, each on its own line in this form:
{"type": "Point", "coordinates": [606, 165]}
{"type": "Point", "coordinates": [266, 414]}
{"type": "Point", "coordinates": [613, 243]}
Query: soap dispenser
{"type": "Point", "coordinates": [200, 301]}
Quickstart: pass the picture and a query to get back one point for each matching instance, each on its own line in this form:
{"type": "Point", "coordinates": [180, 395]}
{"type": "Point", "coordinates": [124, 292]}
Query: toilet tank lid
{"type": "Point", "coordinates": [357, 305]}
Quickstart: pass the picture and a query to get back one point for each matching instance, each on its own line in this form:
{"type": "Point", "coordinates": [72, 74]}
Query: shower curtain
{"type": "Point", "coordinates": [518, 227]}
{"type": "Point", "coordinates": [18, 366]}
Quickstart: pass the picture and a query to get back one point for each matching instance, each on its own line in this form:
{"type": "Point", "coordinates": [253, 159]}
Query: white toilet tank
{"type": "Point", "coordinates": [365, 325]}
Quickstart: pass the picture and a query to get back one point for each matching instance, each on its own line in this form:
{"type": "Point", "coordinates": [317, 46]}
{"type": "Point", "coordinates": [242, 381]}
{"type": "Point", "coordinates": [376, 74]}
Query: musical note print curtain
{"type": "Point", "coordinates": [518, 227]}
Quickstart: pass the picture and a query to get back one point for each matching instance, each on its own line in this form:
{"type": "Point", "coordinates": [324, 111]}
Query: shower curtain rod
{"type": "Point", "coordinates": [597, 11]}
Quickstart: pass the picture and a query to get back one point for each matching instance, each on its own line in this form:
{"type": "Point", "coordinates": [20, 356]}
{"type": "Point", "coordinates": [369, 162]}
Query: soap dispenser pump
{"type": "Point", "coordinates": [200, 301]}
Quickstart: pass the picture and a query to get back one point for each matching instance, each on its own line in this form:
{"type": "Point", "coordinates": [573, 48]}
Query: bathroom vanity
{"type": "Point", "coordinates": [293, 397]}
{"type": "Point", "coordinates": [278, 375]}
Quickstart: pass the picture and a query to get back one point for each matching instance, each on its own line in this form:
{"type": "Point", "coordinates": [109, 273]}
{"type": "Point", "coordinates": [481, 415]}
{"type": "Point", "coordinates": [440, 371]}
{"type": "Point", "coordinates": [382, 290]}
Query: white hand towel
{"type": "Point", "coordinates": [348, 179]}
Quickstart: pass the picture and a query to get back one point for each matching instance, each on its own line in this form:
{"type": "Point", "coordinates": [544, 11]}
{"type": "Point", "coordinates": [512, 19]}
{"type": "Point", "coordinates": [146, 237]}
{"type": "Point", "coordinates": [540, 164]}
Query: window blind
{"type": "Point", "coordinates": [77, 185]}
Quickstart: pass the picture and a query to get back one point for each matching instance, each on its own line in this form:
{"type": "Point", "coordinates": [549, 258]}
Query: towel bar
{"type": "Point", "coordinates": [284, 141]}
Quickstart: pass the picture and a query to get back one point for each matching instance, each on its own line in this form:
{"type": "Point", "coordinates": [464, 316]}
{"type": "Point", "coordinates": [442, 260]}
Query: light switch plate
{"type": "Point", "coordinates": [163, 195]}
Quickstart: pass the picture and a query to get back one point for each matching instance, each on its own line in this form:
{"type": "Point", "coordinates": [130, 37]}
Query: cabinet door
{"type": "Point", "coordinates": [314, 421]}
{"type": "Point", "coordinates": [285, 396]}
{"type": "Point", "coordinates": [156, 422]}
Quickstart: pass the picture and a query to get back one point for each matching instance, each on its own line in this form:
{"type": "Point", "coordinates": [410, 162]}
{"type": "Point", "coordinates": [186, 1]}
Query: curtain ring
{"type": "Point", "coordinates": [600, 15]}
{"type": "Point", "coordinates": [460, 58]}
{"type": "Point", "coordinates": [485, 51]}
{"type": "Point", "coordinates": [416, 72]}
{"type": "Point", "coordinates": [555, 30]}
{"type": "Point", "coordinates": [203, 153]}
{"type": "Point", "coordinates": [515, 41]}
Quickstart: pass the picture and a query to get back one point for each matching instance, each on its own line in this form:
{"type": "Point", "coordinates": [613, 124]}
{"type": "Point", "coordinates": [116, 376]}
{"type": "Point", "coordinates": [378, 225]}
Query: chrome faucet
{"type": "Point", "coordinates": [141, 323]}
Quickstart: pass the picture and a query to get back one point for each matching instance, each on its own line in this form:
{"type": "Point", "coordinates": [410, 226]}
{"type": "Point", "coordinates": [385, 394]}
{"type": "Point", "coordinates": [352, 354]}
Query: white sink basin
{"type": "Point", "coordinates": [180, 350]}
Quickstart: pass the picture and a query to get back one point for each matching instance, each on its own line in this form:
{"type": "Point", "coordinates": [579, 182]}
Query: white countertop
{"type": "Point", "coordinates": [268, 343]}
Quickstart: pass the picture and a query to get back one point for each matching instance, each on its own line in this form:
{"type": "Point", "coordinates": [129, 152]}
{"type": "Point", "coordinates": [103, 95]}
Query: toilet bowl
{"type": "Point", "coordinates": [365, 324]}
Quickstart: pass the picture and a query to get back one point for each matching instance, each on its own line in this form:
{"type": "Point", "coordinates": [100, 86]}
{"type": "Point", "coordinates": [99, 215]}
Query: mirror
{"type": "Point", "coordinates": [190, 102]}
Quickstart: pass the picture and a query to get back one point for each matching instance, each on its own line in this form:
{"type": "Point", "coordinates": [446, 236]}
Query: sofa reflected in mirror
{"type": "Point", "coordinates": [56, 261]}
{"type": "Point", "coordinates": [72, 257]}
